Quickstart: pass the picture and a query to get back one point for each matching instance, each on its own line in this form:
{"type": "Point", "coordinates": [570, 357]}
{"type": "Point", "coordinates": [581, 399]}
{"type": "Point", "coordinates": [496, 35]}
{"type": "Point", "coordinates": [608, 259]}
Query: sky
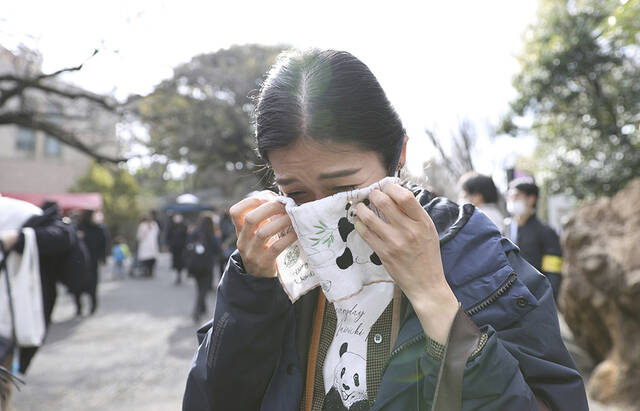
{"type": "Point", "coordinates": [438, 61]}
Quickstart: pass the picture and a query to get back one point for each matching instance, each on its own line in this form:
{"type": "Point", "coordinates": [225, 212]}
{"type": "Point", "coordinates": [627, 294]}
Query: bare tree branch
{"type": "Point", "coordinates": [460, 160]}
{"type": "Point", "coordinates": [68, 69]}
{"type": "Point", "coordinates": [32, 121]}
{"type": "Point", "coordinates": [24, 83]}
{"type": "Point", "coordinates": [15, 85]}
{"type": "Point", "coordinates": [467, 135]}
{"type": "Point", "coordinates": [446, 160]}
{"type": "Point", "coordinates": [21, 83]}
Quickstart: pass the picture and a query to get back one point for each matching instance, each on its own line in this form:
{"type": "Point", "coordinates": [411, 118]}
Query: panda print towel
{"type": "Point", "coordinates": [329, 253]}
{"type": "Point", "coordinates": [345, 366]}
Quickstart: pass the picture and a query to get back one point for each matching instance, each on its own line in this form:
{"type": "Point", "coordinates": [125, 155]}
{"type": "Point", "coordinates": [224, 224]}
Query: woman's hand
{"type": "Point", "coordinates": [257, 221]}
{"type": "Point", "coordinates": [409, 248]}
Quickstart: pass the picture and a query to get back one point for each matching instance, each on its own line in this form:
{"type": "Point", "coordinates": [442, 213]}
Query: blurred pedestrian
{"type": "Point", "coordinates": [94, 236]}
{"type": "Point", "coordinates": [202, 249]}
{"type": "Point", "coordinates": [161, 228]}
{"type": "Point", "coordinates": [13, 213]}
{"type": "Point", "coordinates": [120, 253]}
{"type": "Point", "coordinates": [147, 236]}
{"type": "Point", "coordinates": [176, 239]}
{"type": "Point", "coordinates": [58, 260]}
{"type": "Point", "coordinates": [479, 190]}
{"type": "Point", "coordinates": [539, 244]}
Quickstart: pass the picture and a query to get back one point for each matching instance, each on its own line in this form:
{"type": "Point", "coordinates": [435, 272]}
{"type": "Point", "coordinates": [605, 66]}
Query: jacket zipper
{"type": "Point", "coordinates": [494, 295]}
{"type": "Point", "coordinates": [506, 284]}
{"type": "Point", "coordinates": [394, 353]}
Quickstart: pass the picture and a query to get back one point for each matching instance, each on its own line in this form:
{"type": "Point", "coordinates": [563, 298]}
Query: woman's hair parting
{"type": "Point", "coordinates": [327, 95]}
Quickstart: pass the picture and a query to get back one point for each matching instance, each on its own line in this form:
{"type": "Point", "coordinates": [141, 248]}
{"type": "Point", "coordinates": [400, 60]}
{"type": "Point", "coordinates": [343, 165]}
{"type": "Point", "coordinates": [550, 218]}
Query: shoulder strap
{"type": "Point", "coordinates": [463, 339]}
{"type": "Point", "coordinates": [313, 352]}
{"type": "Point", "coordinates": [3, 268]}
{"type": "Point", "coordinates": [4, 373]}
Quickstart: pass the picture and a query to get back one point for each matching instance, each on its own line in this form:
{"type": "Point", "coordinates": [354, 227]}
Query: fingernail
{"type": "Point", "coordinates": [360, 228]}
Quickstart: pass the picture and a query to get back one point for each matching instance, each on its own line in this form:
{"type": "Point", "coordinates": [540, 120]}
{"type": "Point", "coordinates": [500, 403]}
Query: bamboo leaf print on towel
{"type": "Point", "coordinates": [324, 235]}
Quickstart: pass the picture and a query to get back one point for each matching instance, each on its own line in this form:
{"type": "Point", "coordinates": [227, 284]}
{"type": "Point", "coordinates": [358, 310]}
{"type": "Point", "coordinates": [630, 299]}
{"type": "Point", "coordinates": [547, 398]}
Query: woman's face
{"type": "Point", "coordinates": [309, 170]}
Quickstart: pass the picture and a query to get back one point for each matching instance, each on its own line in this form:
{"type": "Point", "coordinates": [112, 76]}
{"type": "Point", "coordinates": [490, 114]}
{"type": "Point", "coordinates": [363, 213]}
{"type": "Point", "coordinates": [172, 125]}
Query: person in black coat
{"type": "Point", "coordinates": [177, 239]}
{"type": "Point", "coordinates": [95, 238]}
{"type": "Point", "coordinates": [202, 249]}
{"type": "Point", "coordinates": [56, 241]}
{"type": "Point", "coordinates": [539, 244]}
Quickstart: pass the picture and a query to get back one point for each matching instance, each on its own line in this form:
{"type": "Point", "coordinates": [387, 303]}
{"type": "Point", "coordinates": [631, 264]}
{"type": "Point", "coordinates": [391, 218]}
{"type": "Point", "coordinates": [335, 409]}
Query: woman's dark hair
{"type": "Point", "coordinates": [481, 184]}
{"type": "Point", "coordinates": [50, 204]}
{"type": "Point", "coordinates": [327, 95]}
{"type": "Point", "coordinates": [527, 185]}
{"type": "Point", "coordinates": [86, 218]}
{"type": "Point", "coordinates": [206, 225]}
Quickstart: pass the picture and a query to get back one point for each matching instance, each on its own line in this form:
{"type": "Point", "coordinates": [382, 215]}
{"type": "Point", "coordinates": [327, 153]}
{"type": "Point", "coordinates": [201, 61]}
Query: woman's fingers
{"type": "Point", "coordinates": [279, 246]}
{"type": "Point", "coordinates": [273, 227]}
{"type": "Point", "coordinates": [405, 200]}
{"type": "Point", "coordinates": [387, 207]}
{"type": "Point", "coordinates": [258, 216]}
{"type": "Point", "coordinates": [239, 210]}
{"type": "Point", "coordinates": [255, 218]}
{"type": "Point", "coordinates": [370, 227]}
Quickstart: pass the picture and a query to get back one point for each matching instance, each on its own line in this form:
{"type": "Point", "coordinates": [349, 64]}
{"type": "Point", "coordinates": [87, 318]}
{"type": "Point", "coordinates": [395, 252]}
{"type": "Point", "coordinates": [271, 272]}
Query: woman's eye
{"type": "Point", "coordinates": [295, 196]}
{"type": "Point", "coordinates": [345, 188]}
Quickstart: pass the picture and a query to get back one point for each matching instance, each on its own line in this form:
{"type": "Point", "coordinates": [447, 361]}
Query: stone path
{"type": "Point", "coordinates": [133, 354]}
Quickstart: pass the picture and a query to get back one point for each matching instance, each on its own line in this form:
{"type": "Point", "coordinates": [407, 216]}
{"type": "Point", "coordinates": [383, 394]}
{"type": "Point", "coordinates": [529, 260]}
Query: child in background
{"type": "Point", "coordinates": [120, 253]}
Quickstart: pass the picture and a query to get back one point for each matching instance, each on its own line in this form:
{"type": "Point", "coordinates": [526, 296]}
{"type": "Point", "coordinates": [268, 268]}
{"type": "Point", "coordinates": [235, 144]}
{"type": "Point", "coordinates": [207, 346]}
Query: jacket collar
{"type": "Point", "coordinates": [447, 216]}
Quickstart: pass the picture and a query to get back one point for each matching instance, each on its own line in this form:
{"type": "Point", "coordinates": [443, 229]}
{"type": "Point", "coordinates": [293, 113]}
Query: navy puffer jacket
{"type": "Point", "coordinates": [252, 355]}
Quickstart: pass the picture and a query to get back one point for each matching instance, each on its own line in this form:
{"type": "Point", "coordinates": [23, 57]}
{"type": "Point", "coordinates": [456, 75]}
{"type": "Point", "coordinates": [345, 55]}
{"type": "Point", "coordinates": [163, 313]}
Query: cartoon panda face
{"type": "Point", "coordinates": [356, 249]}
{"type": "Point", "coordinates": [349, 377]}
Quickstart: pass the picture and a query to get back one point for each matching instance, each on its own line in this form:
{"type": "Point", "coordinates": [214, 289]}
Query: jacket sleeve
{"type": "Point", "coordinates": [551, 252]}
{"type": "Point", "coordinates": [525, 366]}
{"type": "Point", "coordinates": [240, 348]}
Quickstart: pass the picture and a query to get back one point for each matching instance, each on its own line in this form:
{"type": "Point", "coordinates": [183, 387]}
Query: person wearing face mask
{"type": "Point", "coordinates": [480, 191]}
{"type": "Point", "coordinates": [455, 325]}
{"type": "Point", "coordinates": [539, 244]}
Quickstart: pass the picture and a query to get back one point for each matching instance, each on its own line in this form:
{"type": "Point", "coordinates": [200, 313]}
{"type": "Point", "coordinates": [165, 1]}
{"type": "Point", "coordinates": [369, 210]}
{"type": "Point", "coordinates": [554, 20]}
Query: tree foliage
{"type": "Point", "coordinates": [202, 114]}
{"type": "Point", "coordinates": [580, 85]}
{"type": "Point", "coordinates": [120, 192]}
{"type": "Point", "coordinates": [156, 180]}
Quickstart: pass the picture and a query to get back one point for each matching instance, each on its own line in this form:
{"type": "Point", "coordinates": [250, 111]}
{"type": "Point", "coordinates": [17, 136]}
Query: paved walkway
{"type": "Point", "coordinates": [133, 354]}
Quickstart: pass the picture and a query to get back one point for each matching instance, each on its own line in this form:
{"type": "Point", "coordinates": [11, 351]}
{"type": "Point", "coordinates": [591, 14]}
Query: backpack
{"type": "Point", "coordinates": [75, 266]}
{"type": "Point", "coordinates": [196, 258]}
